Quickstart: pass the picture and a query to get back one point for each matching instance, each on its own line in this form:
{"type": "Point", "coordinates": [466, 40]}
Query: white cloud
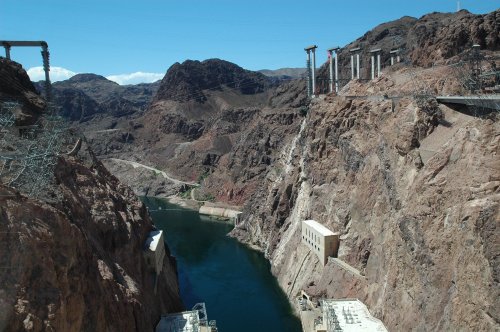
{"type": "Point", "coordinates": [135, 78]}
{"type": "Point", "coordinates": [56, 74]}
{"type": "Point", "coordinates": [59, 74]}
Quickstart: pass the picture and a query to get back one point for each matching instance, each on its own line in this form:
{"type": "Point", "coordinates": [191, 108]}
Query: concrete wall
{"type": "Point", "coordinates": [154, 251]}
{"type": "Point", "coordinates": [220, 212]}
{"type": "Point", "coordinates": [322, 245]}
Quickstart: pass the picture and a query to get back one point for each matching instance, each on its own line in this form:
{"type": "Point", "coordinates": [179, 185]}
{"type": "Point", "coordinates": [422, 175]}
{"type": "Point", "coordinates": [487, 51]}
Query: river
{"type": "Point", "coordinates": [234, 281]}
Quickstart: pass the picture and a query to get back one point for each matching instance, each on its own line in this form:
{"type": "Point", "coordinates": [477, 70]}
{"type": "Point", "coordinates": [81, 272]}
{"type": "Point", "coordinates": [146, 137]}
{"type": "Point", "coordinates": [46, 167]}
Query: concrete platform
{"type": "Point", "coordinates": [485, 101]}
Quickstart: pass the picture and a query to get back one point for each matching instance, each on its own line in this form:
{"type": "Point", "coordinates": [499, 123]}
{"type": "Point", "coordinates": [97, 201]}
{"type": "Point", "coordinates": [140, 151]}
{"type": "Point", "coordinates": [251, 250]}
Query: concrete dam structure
{"type": "Point", "coordinates": [220, 212]}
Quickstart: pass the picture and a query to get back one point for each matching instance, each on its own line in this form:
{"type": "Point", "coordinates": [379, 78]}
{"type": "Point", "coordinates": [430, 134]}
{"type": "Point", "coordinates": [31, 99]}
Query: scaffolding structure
{"type": "Point", "coordinates": [7, 117]}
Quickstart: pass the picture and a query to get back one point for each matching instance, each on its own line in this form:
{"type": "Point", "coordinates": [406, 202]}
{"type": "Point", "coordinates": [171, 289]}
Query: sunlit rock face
{"type": "Point", "coordinates": [412, 189]}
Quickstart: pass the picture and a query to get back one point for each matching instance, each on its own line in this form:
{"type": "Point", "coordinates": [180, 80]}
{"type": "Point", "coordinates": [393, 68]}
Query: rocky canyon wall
{"type": "Point", "coordinates": [413, 190]}
{"type": "Point", "coordinates": [72, 259]}
{"type": "Point", "coordinates": [77, 264]}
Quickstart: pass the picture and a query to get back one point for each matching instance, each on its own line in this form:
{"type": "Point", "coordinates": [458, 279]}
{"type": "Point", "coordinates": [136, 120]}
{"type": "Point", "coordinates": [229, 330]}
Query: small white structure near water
{"type": "Point", "coordinates": [154, 251]}
{"type": "Point", "coordinates": [322, 241]}
{"type": "Point", "coordinates": [195, 320]}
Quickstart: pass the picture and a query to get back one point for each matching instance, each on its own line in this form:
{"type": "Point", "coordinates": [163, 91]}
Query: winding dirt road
{"type": "Point", "coordinates": [165, 175]}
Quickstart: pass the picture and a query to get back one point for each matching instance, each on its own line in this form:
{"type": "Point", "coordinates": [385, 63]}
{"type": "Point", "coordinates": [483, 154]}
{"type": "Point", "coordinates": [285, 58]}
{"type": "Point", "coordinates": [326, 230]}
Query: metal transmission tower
{"type": "Point", "coordinates": [469, 73]}
{"type": "Point", "coordinates": [421, 91]}
{"type": "Point", "coordinates": [475, 59]}
{"type": "Point", "coordinates": [30, 167]}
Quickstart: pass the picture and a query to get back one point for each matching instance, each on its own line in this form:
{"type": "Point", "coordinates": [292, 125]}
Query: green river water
{"type": "Point", "coordinates": [234, 281]}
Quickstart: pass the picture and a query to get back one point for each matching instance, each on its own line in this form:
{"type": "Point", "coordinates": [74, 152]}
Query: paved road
{"type": "Point", "coordinates": [165, 175]}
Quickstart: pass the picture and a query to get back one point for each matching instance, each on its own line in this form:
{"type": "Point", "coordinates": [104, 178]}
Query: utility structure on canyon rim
{"type": "Point", "coordinates": [332, 81]}
{"type": "Point", "coordinates": [395, 57]}
{"type": "Point", "coordinates": [375, 59]}
{"type": "Point", "coordinates": [7, 44]}
{"type": "Point", "coordinates": [355, 56]}
{"type": "Point", "coordinates": [311, 70]}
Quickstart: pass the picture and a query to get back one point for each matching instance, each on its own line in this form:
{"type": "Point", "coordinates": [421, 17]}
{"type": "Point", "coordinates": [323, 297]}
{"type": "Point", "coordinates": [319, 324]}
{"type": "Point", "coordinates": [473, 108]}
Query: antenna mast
{"type": "Point", "coordinates": [458, 6]}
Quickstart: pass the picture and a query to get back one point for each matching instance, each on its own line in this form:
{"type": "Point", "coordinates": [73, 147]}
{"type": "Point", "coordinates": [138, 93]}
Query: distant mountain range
{"type": "Point", "coordinates": [85, 95]}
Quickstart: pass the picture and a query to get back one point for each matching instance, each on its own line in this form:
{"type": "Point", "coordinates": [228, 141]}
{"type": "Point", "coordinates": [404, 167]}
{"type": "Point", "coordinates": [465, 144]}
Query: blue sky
{"type": "Point", "coordinates": [117, 37]}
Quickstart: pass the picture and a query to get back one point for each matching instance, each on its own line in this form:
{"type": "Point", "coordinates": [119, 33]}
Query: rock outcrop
{"type": "Point", "coordinates": [187, 81]}
{"type": "Point", "coordinates": [15, 86]}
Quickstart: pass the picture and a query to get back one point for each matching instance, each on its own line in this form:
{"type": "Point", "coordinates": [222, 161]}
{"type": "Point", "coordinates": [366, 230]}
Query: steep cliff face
{"type": "Point", "coordinates": [72, 260]}
{"type": "Point", "coordinates": [413, 189]}
{"type": "Point", "coordinates": [78, 264]}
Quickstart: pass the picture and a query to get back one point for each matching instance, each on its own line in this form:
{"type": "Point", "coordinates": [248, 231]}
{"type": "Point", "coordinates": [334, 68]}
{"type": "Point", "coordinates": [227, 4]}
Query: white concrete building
{"type": "Point", "coordinates": [154, 251]}
{"type": "Point", "coordinates": [322, 241]}
{"type": "Point", "coordinates": [348, 315]}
